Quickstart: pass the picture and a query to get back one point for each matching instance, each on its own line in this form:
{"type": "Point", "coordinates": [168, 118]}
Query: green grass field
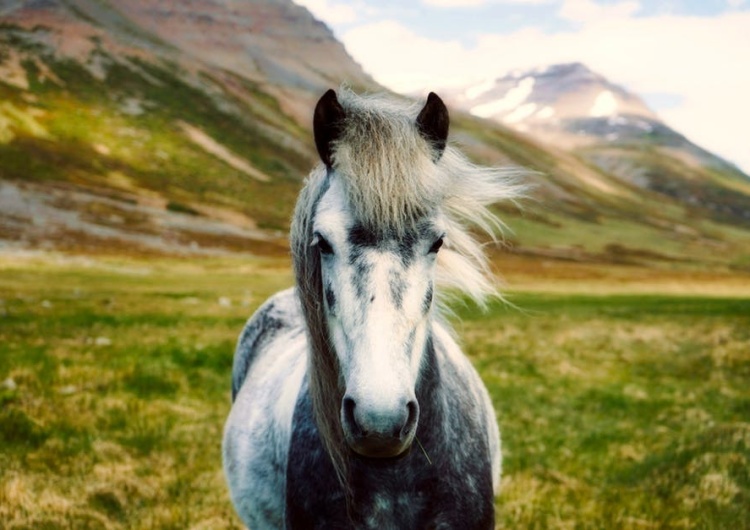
{"type": "Point", "coordinates": [617, 411]}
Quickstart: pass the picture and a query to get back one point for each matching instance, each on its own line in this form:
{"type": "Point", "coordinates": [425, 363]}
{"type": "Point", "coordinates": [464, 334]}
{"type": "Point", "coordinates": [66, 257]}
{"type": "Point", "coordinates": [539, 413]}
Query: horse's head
{"type": "Point", "coordinates": [378, 291]}
{"type": "Point", "coordinates": [377, 267]}
{"type": "Point", "coordinates": [366, 234]}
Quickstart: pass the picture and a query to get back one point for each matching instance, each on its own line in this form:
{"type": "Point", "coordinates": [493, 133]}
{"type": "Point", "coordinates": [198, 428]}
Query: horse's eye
{"type": "Point", "coordinates": [324, 246]}
{"type": "Point", "coordinates": [436, 245]}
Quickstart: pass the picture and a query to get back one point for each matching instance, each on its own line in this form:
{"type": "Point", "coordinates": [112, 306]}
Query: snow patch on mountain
{"type": "Point", "coordinates": [563, 104]}
{"type": "Point", "coordinates": [482, 88]}
{"type": "Point", "coordinates": [546, 113]}
{"type": "Point", "coordinates": [521, 113]}
{"type": "Point", "coordinates": [605, 104]}
{"type": "Point", "coordinates": [512, 99]}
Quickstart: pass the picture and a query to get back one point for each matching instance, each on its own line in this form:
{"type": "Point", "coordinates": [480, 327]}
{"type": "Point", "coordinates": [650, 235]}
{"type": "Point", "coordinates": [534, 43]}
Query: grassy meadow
{"type": "Point", "coordinates": [623, 396]}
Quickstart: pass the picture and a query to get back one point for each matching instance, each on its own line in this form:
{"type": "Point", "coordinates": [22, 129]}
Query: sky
{"type": "Point", "coordinates": [688, 59]}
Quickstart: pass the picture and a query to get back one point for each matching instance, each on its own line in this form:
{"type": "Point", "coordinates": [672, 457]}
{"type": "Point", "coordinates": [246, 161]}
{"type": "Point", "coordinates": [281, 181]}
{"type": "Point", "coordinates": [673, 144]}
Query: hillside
{"type": "Point", "coordinates": [110, 134]}
{"type": "Point", "coordinates": [573, 108]}
{"type": "Point", "coordinates": [185, 128]}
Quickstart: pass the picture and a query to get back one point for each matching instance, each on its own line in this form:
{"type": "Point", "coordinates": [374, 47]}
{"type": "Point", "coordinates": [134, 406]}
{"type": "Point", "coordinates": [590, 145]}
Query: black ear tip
{"type": "Point", "coordinates": [433, 123]}
{"type": "Point", "coordinates": [435, 100]}
{"type": "Point", "coordinates": [326, 101]}
{"type": "Point", "coordinates": [327, 124]}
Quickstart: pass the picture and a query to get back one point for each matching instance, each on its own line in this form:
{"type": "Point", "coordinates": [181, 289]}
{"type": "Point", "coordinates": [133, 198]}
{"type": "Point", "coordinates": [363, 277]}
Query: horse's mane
{"type": "Point", "coordinates": [392, 180]}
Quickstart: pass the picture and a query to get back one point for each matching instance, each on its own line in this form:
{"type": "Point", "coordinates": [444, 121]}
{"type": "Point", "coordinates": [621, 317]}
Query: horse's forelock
{"type": "Point", "coordinates": [385, 164]}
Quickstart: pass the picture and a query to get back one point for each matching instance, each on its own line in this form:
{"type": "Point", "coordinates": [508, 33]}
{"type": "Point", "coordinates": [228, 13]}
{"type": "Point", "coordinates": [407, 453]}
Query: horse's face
{"type": "Point", "coordinates": [378, 290]}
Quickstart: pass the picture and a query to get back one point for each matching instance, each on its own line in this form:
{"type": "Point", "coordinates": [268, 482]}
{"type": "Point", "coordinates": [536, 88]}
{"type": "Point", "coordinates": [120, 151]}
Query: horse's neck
{"type": "Point", "coordinates": [428, 386]}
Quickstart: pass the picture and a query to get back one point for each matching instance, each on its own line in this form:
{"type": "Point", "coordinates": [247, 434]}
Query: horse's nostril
{"type": "Point", "coordinates": [349, 406]}
{"type": "Point", "coordinates": [411, 419]}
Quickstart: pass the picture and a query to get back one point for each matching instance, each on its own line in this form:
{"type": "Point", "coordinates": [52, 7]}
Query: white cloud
{"type": "Point", "coordinates": [405, 61]}
{"type": "Point", "coordinates": [330, 11]}
{"type": "Point", "coordinates": [701, 59]}
{"type": "Point", "coordinates": [588, 11]}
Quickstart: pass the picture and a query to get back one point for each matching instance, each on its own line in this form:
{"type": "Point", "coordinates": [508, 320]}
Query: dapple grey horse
{"type": "Point", "coordinates": [353, 406]}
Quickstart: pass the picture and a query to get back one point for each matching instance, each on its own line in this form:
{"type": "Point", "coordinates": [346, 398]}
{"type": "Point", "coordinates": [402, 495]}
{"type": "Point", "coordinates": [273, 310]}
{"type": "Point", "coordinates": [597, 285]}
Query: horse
{"type": "Point", "coordinates": [352, 404]}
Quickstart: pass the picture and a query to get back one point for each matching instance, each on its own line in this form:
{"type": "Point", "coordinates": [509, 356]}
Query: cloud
{"type": "Point", "coordinates": [703, 60]}
{"type": "Point", "coordinates": [330, 11]}
{"type": "Point", "coordinates": [588, 11]}
{"type": "Point", "coordinates": [405, 61]}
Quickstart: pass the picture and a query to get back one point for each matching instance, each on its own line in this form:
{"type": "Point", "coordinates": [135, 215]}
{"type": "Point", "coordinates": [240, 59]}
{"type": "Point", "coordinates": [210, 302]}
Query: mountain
{"type": "Point", "coordinates": [566, 104]}
{"type": "Point", "coordinates": [162, 126]}
{"type": "Point", "coordinates": [571, 107]}
{"type": "Point", "coordinates": [184, 127]}
{"type": "Point", "coordinates": [274, 43]}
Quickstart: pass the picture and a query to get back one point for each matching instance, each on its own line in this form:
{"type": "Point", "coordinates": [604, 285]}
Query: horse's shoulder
{"type": "Point", "coordinates": [280, 313]}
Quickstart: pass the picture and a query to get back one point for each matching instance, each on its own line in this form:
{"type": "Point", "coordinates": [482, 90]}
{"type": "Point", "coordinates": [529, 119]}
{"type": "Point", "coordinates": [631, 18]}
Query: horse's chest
{"type": "Point", "coordinates": [452, 488]}
{"type": "Point", "coordinates": [399, 497]}
{"type": "Point", "coordinates": [384, 495]}
{"type": "Point", "coordinates": [381, 499]}
{"type": "Point", "coordinates": [408, 494]}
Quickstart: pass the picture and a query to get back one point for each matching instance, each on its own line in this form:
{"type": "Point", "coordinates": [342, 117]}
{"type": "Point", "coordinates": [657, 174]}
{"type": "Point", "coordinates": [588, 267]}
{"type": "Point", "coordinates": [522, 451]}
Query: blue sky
{"type": "Point", "coordinates": [689, 59]}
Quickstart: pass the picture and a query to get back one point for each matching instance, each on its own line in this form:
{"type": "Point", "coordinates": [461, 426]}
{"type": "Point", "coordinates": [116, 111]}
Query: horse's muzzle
{"type": "Point", "coordinates": [379, 433]}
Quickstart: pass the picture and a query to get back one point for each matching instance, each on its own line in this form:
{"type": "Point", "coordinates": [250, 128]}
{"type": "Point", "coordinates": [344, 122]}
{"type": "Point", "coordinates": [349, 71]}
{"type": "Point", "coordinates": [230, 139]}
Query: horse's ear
{"type": "Point", "coordinates": [327, 125]}
{"type": "Point", "coordinates": [433, 122]}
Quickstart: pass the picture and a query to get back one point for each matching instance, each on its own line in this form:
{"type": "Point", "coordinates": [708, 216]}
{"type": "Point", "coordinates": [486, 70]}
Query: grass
{"type": "Point", "coordinates": [620, 411]}
{"type": "Point", "coordinates": [121, 374]}
{"type": "Point", "coordinates": [617, 410]}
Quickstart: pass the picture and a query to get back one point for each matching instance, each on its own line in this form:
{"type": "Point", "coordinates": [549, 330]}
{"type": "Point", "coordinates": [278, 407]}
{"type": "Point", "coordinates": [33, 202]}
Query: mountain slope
{"type": "Point", "coordinates": [185, 127]}
{"type": "Point", "coordinates": [92, 98]}
{"type": "Point", "coordinates": [271, 42]}
{"type": "Point", "coordinates": [573, 108]}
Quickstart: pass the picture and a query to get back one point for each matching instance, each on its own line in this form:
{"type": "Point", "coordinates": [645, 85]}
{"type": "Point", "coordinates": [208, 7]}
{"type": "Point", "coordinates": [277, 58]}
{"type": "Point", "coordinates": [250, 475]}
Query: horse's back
{"type": "Point", "coordinates": [269, 364]}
